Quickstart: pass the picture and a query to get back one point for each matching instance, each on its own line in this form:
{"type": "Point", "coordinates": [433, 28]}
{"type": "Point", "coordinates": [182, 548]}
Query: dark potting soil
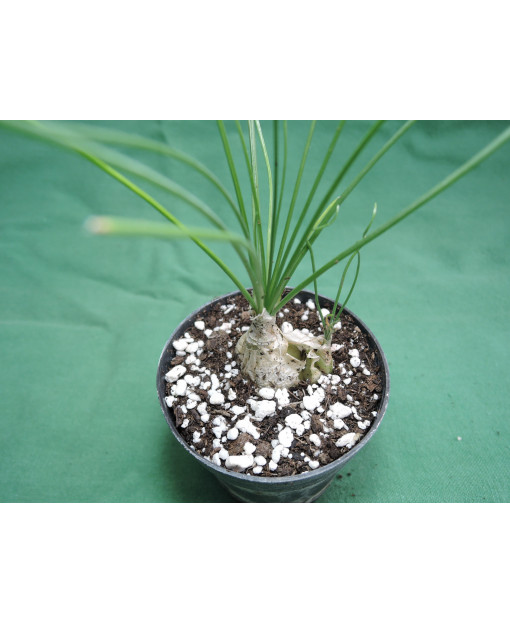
{"type": "Point", "coordinates": [209, 428]}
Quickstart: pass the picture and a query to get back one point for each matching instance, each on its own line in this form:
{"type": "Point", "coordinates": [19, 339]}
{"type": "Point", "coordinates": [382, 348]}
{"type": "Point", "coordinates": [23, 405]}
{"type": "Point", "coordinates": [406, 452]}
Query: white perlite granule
{"type": "Point", "coordinates": [239, 462]}
{"type": "Point", "coordinates": [286, 437]}
{"type": "Point", "coordinates": [175, 373]}
{"type": "Point", "coordinates": [266, 393]}
{"type": "Point", "coordinates": [349, 439]}
{"type": "Point", "coordinates": [233, 433]}
{"type": "Point", "coordinates": [314, 439]}
{"type": "Point", "coordinates": [263, 409]}
{"type": "Point", "coordinates": [293, 421]}
{"type": "Point", "coordinates": [216, 398]}
{"type": "Point", "coordinates": [340, 410]}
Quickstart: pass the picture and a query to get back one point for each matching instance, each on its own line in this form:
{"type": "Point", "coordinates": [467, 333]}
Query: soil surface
{"type": "Point", "coordinates": [229, 421]}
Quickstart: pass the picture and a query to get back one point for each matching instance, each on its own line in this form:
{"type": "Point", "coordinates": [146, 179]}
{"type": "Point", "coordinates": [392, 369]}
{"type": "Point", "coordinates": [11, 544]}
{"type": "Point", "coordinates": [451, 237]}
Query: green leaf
{"type": "Point", "coordinates": [141, 227]}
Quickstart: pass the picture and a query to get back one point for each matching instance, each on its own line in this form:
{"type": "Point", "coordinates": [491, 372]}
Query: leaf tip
{"type": "Point", "coordinates": [98, 225]}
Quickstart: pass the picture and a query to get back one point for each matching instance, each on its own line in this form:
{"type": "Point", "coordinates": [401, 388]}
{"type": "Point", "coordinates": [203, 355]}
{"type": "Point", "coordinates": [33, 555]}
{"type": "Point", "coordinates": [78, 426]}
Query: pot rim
{"type": "Point", "coordinates": [168, 412]}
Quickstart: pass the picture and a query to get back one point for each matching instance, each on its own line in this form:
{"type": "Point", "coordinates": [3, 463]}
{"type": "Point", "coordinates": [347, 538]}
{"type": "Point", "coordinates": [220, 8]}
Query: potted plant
{"type": "Point", "coordinates": [272, 388]}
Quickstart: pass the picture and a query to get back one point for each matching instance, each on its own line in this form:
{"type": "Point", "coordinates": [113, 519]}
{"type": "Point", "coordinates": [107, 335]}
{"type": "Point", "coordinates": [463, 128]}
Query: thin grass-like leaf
{"type": "Point", "coordinates": [310, 233]}
{"type": "Point", "coordinates": [270, 215]}
{"type": "Point", "coordinates": [421, 201]}
{"type": "Point", "coordinates": [155, 204]}
{"type": "Point", "coordinates": [372, 219]}
{"type": "Point", "coordinates": [316, 289]}
{"type": "Point", "coordinates": [278, 207]}
{"type": "Point", "coordinates": [35, 129]}
{"type": "Point", "coordinates": [253, 176]}
{"type": "Point", "coordinates": [372, 131]}
{"type": "Point", "coordinates": [256, 217]}
{"type": "Point", "coordinates": [141, 227]}
{"type": "Point", "coordinates": [275, 162]}
{"type": "Point", "coordinates": [315, 185]}
{"type": "Point", "coordinates": [77, 143]}
{"type": "Point", "coordinates": [126, 139]}
{"type": "Point", "coordinates": [277, 268]}
{"type": "Point", "coordinates": [235, 178]}
{"type": "Point", "coordinates": [334, 314]}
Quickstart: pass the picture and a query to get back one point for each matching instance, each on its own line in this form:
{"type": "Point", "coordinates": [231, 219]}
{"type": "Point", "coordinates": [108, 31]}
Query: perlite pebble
{"type": "Point", "coordinates": [311, 402]}
{"type": "Point", "coordinates": [249, 448]}
{"type": "Point", "coordinates": [180, 345]}
{"type": "Point", "coordinates": [239, 462]}
{"type": "Point", "coordinates": [276, 454]}
{"type": "Point", "coordinates": [233, 433]}
{"type": "Point", "coordinates": [237, 409]}
{"type": "Point", "coordinates": [314, 439]}
{"type": "Point", "coordinates": [246, 426]}
{"type": "Point", "coordinates": [216, 398]}
{"type": "Point", "coordinates": [266, 393]}
{"type": "Point", "coordinates": [192, 381]}
{"type": "Point", "coordinates": [313, 464]}
{"type": "Point", "coordinates": [340, 410]}
{"type": "Point", "coordinates": [286, 437]}
{"type": "Point", "coordinates": [263, 409]}
{"type": "Point", "coordinates": [200, 325]}
{"type": "Point", "coordinates": [218, 431]}
{"type": "Point", "coordinates": [175, 373]}
{"type": "Point", "coordinates": [282, 396]}
{"type": "Point", "coordinates": [293, 421]}
{"type": "Point", "coordinates": [348, 440]}
{"type": "Point", "coordinates": [179, 388]}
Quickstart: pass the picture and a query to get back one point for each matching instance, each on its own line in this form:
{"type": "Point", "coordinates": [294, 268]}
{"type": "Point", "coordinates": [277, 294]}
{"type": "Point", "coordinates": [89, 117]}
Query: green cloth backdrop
{"type": "Point", "coordinates": [83, 319]}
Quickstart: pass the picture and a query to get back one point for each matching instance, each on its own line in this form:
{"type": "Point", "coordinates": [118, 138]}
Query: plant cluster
{"type": "Point", "coordinates": [272, 239]}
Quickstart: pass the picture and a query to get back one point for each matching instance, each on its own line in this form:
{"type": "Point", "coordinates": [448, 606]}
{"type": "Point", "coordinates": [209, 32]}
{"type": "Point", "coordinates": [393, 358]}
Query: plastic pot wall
{"type": "Point", "coordinates": [303, 488]}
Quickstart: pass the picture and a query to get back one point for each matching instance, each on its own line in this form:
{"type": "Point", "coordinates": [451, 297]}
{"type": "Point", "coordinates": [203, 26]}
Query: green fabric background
{"type": "Point", "coordinates": [83, 320]}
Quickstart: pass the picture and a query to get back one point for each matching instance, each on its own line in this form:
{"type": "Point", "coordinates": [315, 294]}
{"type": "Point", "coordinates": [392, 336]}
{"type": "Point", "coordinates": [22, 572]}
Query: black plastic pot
{"type": "Point", "coordinates": [303, 488]}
